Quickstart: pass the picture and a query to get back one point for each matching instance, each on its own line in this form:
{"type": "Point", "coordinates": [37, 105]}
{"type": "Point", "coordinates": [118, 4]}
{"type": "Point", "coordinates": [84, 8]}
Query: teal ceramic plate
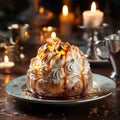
{"type": "Point", "coordinates": [17, 86]}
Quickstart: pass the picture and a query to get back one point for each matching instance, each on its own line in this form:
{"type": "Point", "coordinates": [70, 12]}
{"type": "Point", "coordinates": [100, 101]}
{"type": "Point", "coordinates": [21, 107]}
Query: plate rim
{"type": "Point", "coordinates": [58, 102]}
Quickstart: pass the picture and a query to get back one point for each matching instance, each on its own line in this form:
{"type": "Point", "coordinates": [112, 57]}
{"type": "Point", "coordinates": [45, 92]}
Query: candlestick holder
{"type": "Point", "coordinates": [91, 52]}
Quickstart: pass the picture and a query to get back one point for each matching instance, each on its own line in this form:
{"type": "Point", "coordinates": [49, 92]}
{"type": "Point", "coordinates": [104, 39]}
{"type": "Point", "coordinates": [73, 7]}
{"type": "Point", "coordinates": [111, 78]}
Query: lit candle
{"type": "Point", "coordinates": [53, 38]}
{"type": "Point", "coordinates": [6, 63]}
{"type": "Point", "coordinates": [53, 35]}
{"type": "Point", "coordinates": [93, 18]}
{"type": "Point", "coordinates": [66, 20]}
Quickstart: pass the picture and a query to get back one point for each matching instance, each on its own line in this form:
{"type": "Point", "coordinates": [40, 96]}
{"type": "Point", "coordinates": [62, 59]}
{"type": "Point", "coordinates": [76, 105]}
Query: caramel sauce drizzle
{"type": "Point", "coordinates": [82, 71]}
{"type": "Point", "coordinates": [66, 51]}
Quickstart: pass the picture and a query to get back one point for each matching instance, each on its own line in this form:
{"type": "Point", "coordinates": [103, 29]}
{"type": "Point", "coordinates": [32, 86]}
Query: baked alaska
{"type": "Point", "coordinates": [59, 70]}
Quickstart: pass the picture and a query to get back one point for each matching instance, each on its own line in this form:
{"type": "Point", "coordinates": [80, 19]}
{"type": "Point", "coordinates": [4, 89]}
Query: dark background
{"type": "Point", "coordinates": [10, 9]}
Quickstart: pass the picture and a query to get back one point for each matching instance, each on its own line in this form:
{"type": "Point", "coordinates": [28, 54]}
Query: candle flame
{"type": "Point", "coordinates": [53, 34]}
{"type": "Point", "coordinates": [93, 7]}
{"type": "Point", "coordinates": [65, 10]}
{"type": "Point", "coordinates": [6, 59]}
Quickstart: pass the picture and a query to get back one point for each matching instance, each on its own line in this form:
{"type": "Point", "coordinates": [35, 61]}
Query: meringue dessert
{"type": "Point", "coordinates": [59, 70]}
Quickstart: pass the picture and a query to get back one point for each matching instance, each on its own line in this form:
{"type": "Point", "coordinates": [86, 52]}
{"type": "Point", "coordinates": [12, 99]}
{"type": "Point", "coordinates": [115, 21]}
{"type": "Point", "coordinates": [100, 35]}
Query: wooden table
{"type": "Point", "coordinates": [107, 108]}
